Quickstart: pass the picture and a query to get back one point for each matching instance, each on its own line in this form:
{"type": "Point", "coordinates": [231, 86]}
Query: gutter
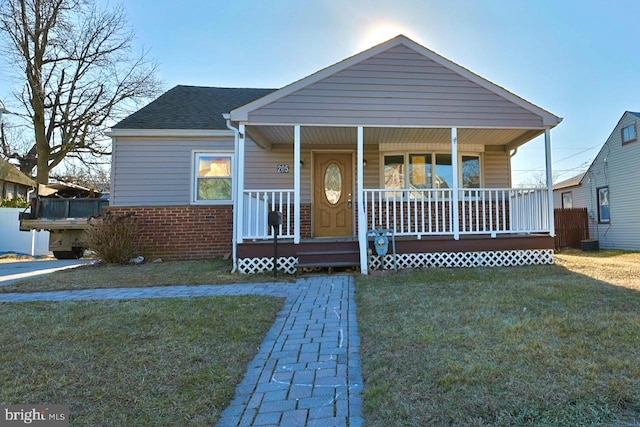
{"type": "Point", "coordinates": [236, 147]}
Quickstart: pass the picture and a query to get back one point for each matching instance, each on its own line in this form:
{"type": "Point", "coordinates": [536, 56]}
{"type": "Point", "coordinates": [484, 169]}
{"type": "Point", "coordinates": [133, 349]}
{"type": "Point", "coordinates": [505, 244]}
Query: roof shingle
{"type": "Point", "coordinates": [191, 107]}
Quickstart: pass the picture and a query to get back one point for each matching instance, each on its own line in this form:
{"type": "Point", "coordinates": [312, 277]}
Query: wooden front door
{"type": "Point", "coordinates": [332, 194]}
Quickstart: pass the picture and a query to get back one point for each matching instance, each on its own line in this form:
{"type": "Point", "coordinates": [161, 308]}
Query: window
{"type": "Point", "coordinates": [213, 178]}
{"type": "Point", "coordinates": [429, 170]}
{"type": "Point", "coordinates": [444, 171]}
{"type": "Point", "coordinates": [470, 172]}
{"type": "Point", "coordinates": [629, 134]}
{"type": "Point", "coordinates": [394, 171]}
{"type": "Point", "coordinates": [567, 200]}
{"type": "Point", "coordinates": [604, 214]}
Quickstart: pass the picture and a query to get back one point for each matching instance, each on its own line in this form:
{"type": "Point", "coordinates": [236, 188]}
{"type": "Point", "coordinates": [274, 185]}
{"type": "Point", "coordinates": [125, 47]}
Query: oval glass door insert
{"type": "Point", "coordinates": [333, 184]}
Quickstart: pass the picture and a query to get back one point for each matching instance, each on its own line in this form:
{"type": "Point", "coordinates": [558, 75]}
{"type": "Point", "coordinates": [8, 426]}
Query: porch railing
{"type": "Point", "coordinates": [410, 212]}
{"type": "Point", "coordinates": [416, 212]}
{"type": "Point", "coordinates": [256, 207]}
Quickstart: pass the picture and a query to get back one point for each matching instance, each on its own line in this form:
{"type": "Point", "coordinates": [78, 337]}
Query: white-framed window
{"type": "Point", "coordinates": [212, 178]}
{"type": "Point", "coordinates": [429, 170]}
{"type": "Point", "coordinates": [567, 200]}
{"type": "Point", "coordinates": [629, 134]}
{"type": "Point", "coordinates": [604, 213]}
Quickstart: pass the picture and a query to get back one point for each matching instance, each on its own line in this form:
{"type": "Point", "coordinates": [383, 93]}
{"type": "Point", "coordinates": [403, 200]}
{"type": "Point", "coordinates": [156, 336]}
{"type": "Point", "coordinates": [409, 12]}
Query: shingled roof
{"type": "Point", "coordinates": [191, 107]}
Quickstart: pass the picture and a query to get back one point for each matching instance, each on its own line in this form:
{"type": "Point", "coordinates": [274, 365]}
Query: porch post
{"type": "Point", "coordinates": [547, 149]}
{"type": "Point", "coordinates": [362, 217]}
{"type": "Point", "coordinates": [455, 196]}
{"type": "Point", "coordinates": [240, 185]}
{"type": "Point", "coordinates": [296, 184]}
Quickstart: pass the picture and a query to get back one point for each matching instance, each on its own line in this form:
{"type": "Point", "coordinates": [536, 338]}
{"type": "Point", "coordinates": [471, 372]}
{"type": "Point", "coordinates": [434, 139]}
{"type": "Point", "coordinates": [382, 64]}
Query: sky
{"type": "Point", "coordinates": [580, 60]}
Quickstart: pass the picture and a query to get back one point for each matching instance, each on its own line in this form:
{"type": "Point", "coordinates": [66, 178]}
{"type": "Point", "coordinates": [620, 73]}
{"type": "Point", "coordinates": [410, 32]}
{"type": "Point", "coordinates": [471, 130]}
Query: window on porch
{"type": "Point", "coordinates": [429, 170]}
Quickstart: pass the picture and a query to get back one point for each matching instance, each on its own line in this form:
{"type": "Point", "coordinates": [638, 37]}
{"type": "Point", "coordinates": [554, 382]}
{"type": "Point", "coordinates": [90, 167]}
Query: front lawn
{"type": "Point", "coordinates": [156, 362]}
{"type": "Point", "coordinates": [540, 345]}
{"type": "Point", "coordinates": [199, 272]}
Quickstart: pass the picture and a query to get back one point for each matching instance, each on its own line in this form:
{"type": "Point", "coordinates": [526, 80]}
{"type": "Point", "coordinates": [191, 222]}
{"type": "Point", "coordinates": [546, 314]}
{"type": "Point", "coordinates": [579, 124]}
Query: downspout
{"type": "Point", "coordinates": [236, 142]}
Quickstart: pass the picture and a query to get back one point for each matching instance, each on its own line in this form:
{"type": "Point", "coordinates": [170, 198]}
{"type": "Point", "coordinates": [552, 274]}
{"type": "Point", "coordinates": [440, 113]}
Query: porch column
{"type": "Point", "coordinates": [547, 149]}
{"type": "Point", "coordinates": [240, 185]}
{"type": "Point", "coordinates": [296, 184]}
{"type": "Point", "coordinates": [362, 216]}
{"type": "Point", "coordinates": [455, 196]}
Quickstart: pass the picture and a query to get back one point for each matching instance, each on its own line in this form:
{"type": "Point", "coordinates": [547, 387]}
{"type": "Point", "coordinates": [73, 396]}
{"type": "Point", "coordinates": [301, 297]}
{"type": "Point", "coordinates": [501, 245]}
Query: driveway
{"type": "Point", "coordinates": [13, 271]}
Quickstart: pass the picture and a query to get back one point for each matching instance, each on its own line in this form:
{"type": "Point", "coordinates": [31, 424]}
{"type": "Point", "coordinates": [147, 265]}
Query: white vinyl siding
{"type": "Point", "coordinates": [616, 167]}
{"type": "Point", "coordinates": [397, 87]}
{"type": "Point", "coordinates": [156, 171]}
{"type": "Point", "coordinates": [579, 197]}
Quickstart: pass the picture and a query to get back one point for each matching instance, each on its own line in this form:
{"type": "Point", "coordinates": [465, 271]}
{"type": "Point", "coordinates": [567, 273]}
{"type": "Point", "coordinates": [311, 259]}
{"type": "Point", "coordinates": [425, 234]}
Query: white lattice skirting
{"type": "Point", "coordinates": [419, 260]}
{"type": "Point", "coordinates": [262, 265]}
{"type": "Point", "coordinates": [464, 259]}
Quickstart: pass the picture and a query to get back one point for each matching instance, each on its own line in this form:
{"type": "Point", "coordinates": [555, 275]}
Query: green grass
{"type": "Point", "coordinates": [157, 362]}
{"type": "Point", "coordinates": [539, 345]}
{"type": "Point", "coordinates": [201, 272]}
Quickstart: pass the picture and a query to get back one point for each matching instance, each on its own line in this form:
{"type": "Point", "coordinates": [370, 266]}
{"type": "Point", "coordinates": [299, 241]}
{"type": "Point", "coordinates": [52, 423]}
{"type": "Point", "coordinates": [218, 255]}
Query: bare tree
{"type": "Point", "coordinates": [80, 74]}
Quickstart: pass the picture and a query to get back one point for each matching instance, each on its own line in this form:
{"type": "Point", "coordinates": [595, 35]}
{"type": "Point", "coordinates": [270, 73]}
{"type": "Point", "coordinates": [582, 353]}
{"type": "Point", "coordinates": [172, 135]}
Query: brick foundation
{"type": "Point", "coordinates": [183, 232]}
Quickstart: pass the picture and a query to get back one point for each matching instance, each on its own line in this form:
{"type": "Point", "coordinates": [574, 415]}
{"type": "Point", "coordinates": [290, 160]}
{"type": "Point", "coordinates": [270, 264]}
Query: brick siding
{"type": "Point", "coordinates": [183, 232]}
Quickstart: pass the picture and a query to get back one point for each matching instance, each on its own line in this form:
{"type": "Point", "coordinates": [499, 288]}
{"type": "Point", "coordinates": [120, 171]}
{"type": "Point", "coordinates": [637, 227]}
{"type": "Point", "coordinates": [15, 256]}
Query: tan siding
{"type": "Point", "coordinates": [496, 169]}
{"type": "Point", "coordinates": [396, 87]}
{"type": "Point", "coordinates": [261, 167]}
{"type": "Point", "coordinates": [156, 171]}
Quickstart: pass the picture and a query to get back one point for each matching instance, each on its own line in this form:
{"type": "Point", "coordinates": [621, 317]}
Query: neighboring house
{"type": "Point", "coordinates": [569, 194]}
{"type": "Point", "coordinates": [396, 137]}
{"type": "Point", "coordinates": [13, 183]}
{"type": "Point", "coordinates": [609, 188]}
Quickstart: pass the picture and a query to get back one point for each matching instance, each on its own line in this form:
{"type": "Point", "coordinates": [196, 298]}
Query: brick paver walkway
{"type": "Point", "coordinates": [307, 371]}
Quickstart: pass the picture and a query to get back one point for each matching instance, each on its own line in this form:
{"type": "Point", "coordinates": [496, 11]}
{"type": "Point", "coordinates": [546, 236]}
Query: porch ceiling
{"type": "Point", "coordinates": [511, 138]}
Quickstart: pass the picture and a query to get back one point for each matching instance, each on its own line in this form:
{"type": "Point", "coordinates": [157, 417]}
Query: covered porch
{"type": "Point", "coordinates": [396, 138]}
{"type": "Point", "coordinates": [456, 221]}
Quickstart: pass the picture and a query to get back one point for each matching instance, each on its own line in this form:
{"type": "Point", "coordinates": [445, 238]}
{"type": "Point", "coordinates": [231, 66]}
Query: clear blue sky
{"type": "Point", "coordinates": [578, 59]}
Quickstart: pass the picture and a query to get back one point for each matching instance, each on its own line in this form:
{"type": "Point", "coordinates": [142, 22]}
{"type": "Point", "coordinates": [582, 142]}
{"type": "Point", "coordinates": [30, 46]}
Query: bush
{"type": "Point", "coordinates": [115, 238]}
{"type": "Point", "coordinates": [18, 202]}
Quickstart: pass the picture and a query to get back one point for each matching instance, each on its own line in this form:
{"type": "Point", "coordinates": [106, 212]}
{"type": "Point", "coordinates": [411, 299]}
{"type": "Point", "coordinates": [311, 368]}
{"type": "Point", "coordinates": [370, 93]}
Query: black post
{"type": "Point", "coordinates": [275, 251]}
{"type": "Point", "coordinates": [274, 219]}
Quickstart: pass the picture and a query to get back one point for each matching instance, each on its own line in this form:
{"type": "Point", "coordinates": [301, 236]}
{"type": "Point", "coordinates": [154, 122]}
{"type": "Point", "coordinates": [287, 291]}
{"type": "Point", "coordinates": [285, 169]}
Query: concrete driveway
{"type": "Point", "coordinates": [13, 271]}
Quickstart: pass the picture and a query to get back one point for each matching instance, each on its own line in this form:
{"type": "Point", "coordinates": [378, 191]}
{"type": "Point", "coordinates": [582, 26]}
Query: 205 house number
{"type": "Point", "coordinates": [282, 168]}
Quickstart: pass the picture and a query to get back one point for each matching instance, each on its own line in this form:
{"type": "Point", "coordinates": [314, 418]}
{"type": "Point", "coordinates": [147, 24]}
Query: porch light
{"type": "Point", "coordinates": [364, 163]}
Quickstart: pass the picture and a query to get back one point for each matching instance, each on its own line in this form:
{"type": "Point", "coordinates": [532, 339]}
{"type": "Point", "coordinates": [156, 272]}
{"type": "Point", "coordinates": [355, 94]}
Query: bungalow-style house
{"type": "Point", "coordinates": [396, 138]}
{"type": "Point", "coordinates": [13, 183]}
{"type": "Point", "coordinates": [609, 188]}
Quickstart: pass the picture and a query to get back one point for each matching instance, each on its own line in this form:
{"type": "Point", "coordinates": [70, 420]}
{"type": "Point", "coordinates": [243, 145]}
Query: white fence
{"type": "Point", "coordinates": [23, 242]}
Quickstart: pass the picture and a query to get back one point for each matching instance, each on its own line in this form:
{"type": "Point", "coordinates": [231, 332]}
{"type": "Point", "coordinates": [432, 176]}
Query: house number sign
{"type": "Point", "coordinates": [282, 169]}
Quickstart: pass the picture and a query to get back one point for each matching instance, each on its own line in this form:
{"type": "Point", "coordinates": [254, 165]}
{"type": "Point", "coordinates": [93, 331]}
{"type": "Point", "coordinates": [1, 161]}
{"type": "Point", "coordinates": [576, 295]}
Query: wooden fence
{"type": "Point", "coordinates": [572, 226]}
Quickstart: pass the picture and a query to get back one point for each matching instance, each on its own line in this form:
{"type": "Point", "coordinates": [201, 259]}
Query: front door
{"type": "Point", "coordinates": [332, 191]}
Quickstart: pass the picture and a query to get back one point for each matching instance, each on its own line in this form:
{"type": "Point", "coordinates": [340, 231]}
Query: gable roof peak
{"type": "Point", "coordinates": [242, 112]}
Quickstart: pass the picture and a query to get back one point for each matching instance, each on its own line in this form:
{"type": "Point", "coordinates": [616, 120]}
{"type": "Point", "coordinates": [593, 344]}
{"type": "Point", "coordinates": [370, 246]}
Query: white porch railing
{"type": "Point", "coordinates": [503, 211]}
{"type": "Point", "coordinates": [258, 204]}
{"type": "Point", "coordinates": [417, 212]}
{"type": "Point", "coordinates": [412, 212]}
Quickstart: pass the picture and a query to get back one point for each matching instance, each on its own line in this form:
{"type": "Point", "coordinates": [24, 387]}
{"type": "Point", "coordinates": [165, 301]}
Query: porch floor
{"type": "Point", "coordinates": [404, 244]}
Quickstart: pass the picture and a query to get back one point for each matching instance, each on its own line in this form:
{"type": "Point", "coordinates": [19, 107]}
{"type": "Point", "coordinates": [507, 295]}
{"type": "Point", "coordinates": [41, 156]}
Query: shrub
{"type": "Point", "coordinates": [18, 202]}
{"type": "Point", "coordinates": [114, 238]}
